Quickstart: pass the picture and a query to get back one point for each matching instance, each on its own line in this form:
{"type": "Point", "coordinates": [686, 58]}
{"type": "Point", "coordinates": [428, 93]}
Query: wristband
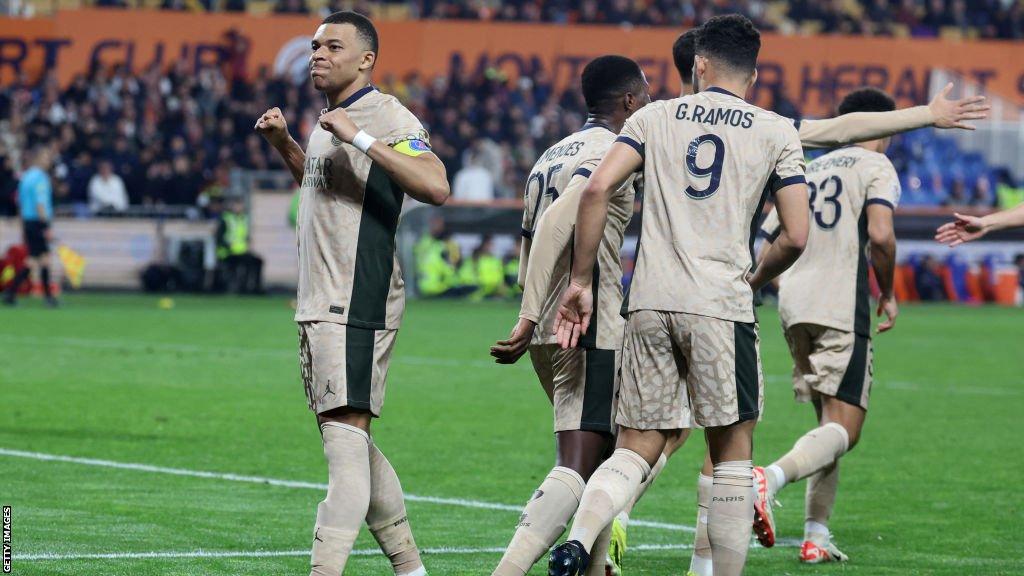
{"type": "Point", "coordinates": [363, 141]}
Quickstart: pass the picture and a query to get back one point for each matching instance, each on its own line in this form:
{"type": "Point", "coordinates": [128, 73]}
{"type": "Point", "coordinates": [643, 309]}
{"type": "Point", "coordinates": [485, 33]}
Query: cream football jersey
{"type": "Point", "coordinates": [828, 285]}
{"type": "Point", "coordinates": [710, 160]}
{"type": "Point", "coordinates": [562, 171]}
{"type": "Point", "coordinates": [349, 210]}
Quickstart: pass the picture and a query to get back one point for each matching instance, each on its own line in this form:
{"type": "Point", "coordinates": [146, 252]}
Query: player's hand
{"type": "Point", "coordinates": [338, 123]}
{"type": "Point", "coordinates": [272, 126]}
{"type": "Point", "coordinates": [510, 350]}
{"type": "Point", "coordinates": [887, 305]}
{"type": "Point", "coordinates": [963, 229]}
{"type": "Point", "coordinates": [574, 313]}
{"type": "Point", "coordinates": [953, 113]}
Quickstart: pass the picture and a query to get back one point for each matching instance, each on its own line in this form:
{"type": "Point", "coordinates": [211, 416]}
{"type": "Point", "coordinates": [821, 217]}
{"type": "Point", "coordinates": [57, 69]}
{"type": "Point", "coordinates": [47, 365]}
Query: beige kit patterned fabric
{"type": "Point", "coordinates": [344, 365]}
{"type": "Point", "coordinates": [832, 362]}
{"type": "Point", "coordinates": [679, 369]}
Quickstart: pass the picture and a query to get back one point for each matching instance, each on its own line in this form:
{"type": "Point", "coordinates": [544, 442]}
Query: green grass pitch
{"type": "Point", "coordinates": [213, 386]}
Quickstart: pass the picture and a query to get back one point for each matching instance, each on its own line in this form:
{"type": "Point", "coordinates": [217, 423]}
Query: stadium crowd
{"type": "Point", "coordinates": [171, 137]}
{"type": "Point", "coordinates": [924, 18]}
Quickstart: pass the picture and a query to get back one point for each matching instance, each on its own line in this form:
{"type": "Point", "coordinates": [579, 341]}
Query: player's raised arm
{"type": "Point", "coordinates": [417, 170]}
{"type": "Point", "coordinates": [968, 228]}
{"type": "Point", "coordinates": [272, 126]}
{"type": "Point", "coordinates": [941, 112]}
{"type": "Point", "coordinates": [577, 306]}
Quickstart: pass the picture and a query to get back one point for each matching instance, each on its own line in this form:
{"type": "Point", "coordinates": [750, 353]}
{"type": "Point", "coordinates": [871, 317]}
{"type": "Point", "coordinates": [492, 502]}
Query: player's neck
{"type": "Point", "coordinates": [605, 121]}
{"type": "Point", "coordinates": [870, 145]}
{"type": "Point", "coordinates": [686, 89]}
{"type": "Point", "coordinates": [728, 82]}
{"type": "Point", "coordinates": [334, 99]}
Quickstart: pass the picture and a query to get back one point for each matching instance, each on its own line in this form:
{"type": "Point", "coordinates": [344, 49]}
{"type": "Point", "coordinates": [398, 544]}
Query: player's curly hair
{"type": "Point", "coordinates": [682, 54]}
{"type": "Point", "coordinates": [607, 78]}
{"type": "Point", "coordinates": [731, 40]}
{"type": "Point", "coordinates": [867, 99]}
{"type": "Point", "coordinates": [364, 28]}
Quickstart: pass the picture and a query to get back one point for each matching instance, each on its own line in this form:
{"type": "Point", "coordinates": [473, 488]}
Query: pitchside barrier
{"type": "Point", "coordinates": [117, 250]}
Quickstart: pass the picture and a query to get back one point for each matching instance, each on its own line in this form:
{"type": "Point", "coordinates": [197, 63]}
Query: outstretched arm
{"type": "Point", "coordinates": [941, 112]}
{"type": "Point", "coordinates": [968, 228]}
{"type": "Point", "coordinates": [272, 126]}
{"type": "Point", "coordinates": [420, 173]}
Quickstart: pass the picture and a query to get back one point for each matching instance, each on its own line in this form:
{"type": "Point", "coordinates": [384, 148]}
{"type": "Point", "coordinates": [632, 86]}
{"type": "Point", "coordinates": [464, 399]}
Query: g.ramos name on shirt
{"type": "Point", "coordinates": [715, 116]}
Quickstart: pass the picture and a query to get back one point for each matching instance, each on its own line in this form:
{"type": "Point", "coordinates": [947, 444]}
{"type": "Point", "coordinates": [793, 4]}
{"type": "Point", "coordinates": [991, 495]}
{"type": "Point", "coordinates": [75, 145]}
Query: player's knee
{"type": "Point", "coordinates": [649, 444]}
{"type": "Point", "coordinates": [356, 417]}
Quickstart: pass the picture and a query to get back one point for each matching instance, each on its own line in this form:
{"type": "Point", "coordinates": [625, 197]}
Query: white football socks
{"type": "Point", "coordinates": [543, 520]}
{"type": "Point", "coordinates": [343, 510]}
{"type": "Point", "coordinates": [731, 516]}
{"type": "Point", "coordinates": [812, 452]}
{"type": "Point", "coordinates": [700, 561]}
{"type": "Point", "coordinates": [387, 518]}
{"type": "Point", "coordinates": [610, 489]}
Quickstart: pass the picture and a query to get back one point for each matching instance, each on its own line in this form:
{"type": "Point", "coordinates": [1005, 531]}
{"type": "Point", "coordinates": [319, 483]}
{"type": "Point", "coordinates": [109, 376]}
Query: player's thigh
{"type": "Point", "coordinates": [344, 366]}
{"type": "Point", "coordinates": [849, 416]}
{"type": "Point", "coordinates": [726, 380]}
{"type": "Point", "coordinates": [584, 386]}
{"type": "Point", "coordinates": [541, 357]}
{"type": "Point", "coordinates": [842, 364]}
{"type": "Point", "coordinates": [800, 340]}
{"type": "Point", "coordinates": [652, 392]}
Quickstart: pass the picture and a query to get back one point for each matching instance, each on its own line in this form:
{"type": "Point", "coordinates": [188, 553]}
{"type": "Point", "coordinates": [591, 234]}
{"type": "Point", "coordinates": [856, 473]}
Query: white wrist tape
{"type": "Point", "coordinates": [363, 141]}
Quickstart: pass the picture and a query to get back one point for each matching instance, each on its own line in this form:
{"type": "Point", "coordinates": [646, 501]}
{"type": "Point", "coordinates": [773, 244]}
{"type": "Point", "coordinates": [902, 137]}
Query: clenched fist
{"type": "Point", "coordinates": [273, 127]}
{"type": "Point", "coordinates": [338, 123]}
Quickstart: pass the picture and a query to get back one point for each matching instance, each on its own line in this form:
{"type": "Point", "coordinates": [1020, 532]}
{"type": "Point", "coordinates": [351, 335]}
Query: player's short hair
{"type": "Point", "coordinates": [364, 28]}
{"type": "Point", "coordinates": [730, 40]}
{"type": "Point", "coordinates": [867, 99]}
{"type": "Point", "coordinates": [682, 54]}
{"type": "Point", "coordinates": [607, 78]}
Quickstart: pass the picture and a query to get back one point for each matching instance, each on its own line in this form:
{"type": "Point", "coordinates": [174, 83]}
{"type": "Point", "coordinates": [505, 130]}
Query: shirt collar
{"type": "Point", "coordinates": [722, 91]}
{"type": "Point", "coordinates": [355, 96]}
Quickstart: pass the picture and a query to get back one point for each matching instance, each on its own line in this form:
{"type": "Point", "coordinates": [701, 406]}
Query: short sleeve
{"type": "Point", "coordinates": [884, 185]}
{"type": "Point", "coordinates": [407, 134]}
{"type": "Point", "coordinates": [789, 168]}
{"type": "Point", "coordinates": [771, 227]}
{"type": "Point", "coordinates": [528, 209]}
{"type": "Point", "coordinates": [634, 132]}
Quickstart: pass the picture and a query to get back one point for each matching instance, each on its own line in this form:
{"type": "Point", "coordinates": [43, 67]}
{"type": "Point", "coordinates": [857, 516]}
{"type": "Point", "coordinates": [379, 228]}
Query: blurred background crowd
{"type": "Point", "coordinates": [919, 18]}
{"type": "Point", "coordinates": [171, 137]}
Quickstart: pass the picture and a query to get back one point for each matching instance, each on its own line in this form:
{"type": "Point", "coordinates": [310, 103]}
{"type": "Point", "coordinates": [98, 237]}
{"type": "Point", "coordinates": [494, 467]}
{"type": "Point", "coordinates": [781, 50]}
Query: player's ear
{"type": "Point", "coordinates": [753, 78]}
{"type": "Point", "coordinates": [369, 59]}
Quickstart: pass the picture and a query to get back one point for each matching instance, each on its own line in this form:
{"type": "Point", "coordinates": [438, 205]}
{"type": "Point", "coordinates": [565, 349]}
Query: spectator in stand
{"type": "Point", "coordinates": [1018, 261]}
{"type": "Point", "coordinates": [106, 190]}
{"type": "Point", "coordinates": [474, 182]}
{"type": "Point", "coordinates": [928, 279]}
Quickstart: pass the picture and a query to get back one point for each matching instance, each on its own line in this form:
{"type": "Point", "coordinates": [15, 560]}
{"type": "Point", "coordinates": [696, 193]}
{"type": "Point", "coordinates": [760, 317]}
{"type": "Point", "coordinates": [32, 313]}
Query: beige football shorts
{"type": "Point", "coordinates": [683, 369]}
{"type": "Point", "coordinates": [832, 362]}
{"type": "Point", "coordinates": [581, 384]}
{"type": "Point", "coordinates": [344, 366]}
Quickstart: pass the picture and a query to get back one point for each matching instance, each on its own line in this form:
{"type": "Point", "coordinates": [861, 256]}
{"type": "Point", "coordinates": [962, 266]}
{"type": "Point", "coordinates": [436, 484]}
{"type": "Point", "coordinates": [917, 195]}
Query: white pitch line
{"type": "Point", "coordinates": [444, 550]}
{"type": "Point", "coordinates": [464, 503]}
